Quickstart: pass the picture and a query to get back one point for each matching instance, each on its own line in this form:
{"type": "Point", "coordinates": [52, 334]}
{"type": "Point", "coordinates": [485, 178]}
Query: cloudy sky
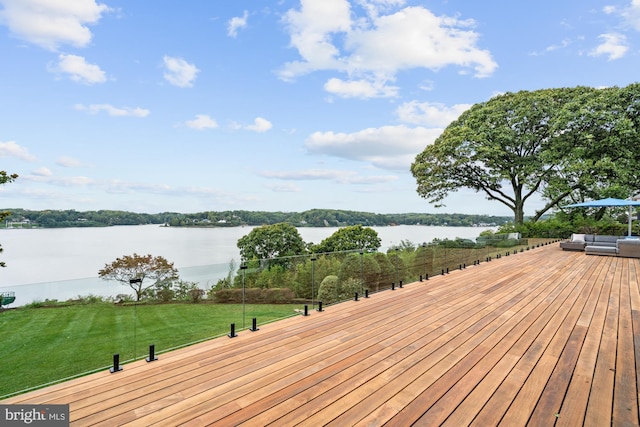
{"type": "Point", "coordinates": [273, 105]}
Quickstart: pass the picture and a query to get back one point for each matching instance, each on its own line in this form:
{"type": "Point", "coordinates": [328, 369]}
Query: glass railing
{"type": "Point", "coordinates": [86, 324]}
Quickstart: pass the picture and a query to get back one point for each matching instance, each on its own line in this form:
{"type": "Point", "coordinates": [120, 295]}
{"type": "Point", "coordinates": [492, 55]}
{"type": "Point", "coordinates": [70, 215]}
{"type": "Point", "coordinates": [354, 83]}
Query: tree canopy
{"type": "Point", "coordinates": [562, 144]}
{"type": "Point", "coordinates": [271, 241]}
{"type": "Point", "coordinates": [350, 238]}
{"type": "Point", "coordinates": [132, 270]}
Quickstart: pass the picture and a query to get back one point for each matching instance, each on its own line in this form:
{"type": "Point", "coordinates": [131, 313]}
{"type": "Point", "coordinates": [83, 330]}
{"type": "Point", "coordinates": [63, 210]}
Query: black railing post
{"type": "Point", "coordinates": [254, 325]}
{"type": "Point", "coordinates": [232, 334]}
{"type": "Point", "coordinates": [319, 305]}
{"type": "Point", "coordinates": [116, 364]}
{"type": "Point", "coordinates": [152, 353]}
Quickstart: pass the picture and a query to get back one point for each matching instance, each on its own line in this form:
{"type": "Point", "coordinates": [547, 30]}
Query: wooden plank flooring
{"type": "Point", "coordinates": [544, 337]}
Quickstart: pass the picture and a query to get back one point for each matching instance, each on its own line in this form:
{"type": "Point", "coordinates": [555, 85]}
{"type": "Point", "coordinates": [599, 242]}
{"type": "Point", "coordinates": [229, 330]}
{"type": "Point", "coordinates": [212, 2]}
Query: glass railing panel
{"type": "Point", "coordinates": [63, 338]}
{"type": "Point", "coordinates": [91, 320]}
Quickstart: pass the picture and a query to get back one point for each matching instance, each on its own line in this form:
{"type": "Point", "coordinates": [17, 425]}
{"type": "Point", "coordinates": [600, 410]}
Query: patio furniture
{"type": "Point", "coordinates": [615, 246]}
{"type": "Point", "coordinates": [577, 242]}
{"type": "Point", "coordinates": [629, 248]}
{"type": "Point", "coordinates": [7, 298]}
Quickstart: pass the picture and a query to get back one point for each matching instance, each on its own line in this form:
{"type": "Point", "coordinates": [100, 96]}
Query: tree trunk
{"type": "Point", "coordinates": [518, 214]}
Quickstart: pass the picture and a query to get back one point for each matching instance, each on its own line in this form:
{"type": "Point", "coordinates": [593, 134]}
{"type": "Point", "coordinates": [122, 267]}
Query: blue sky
{"type": "Point", "coordinates": [278, 106]}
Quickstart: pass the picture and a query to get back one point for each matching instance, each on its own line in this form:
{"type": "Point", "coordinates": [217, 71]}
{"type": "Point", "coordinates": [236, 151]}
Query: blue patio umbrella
{"type": "Point", "coordinates": [608, 202]}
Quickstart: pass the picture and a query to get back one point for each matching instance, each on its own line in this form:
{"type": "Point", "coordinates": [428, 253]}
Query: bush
{"type": "Point", "coordinates": [333, 290]}
{"type": "Point", "coordinates": [165, 295]}
{"type": "Point", "coordinates": [328, 291]}
{"type": "Point", "coordinates": [509, 243]}
{"type": "Point", "coordinates": [196, 295]}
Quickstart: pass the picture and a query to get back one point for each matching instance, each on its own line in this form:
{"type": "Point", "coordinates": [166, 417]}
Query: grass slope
{"type": "Point", "coordinates": [48, 344]}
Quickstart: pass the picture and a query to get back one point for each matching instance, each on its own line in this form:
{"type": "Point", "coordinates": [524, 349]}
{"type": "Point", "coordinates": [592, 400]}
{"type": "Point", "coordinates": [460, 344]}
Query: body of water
{"type": "Point", "coordinates": [63, 263]}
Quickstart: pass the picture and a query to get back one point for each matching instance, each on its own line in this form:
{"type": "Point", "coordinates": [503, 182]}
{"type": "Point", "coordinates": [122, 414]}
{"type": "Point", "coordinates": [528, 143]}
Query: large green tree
{"type": "Point", "coordinates": [4, 179]}
{"type": "Point", "coordinates": [133, 270]}
{"type": "Point", "coordinates": [350, 238]}
{"type": "Point", "coordinates": [561, 144]}
{"type": "Point", "coordinates": [600, 132]}
{"type": "Point", "coordinates": [272, 241]}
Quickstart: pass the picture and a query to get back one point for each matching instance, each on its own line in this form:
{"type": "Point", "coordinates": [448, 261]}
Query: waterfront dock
{"type": "Point", "coordinates": [542, 337]}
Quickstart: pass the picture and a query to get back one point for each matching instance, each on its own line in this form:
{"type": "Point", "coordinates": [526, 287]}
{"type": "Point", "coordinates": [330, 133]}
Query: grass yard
{"type": "Point", "coordinates": [49, 344]}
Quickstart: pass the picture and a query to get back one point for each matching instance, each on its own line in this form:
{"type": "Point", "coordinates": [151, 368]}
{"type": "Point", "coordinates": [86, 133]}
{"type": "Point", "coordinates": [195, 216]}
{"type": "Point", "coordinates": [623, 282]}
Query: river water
{"type": "Point", "coordinates": [62, 263]}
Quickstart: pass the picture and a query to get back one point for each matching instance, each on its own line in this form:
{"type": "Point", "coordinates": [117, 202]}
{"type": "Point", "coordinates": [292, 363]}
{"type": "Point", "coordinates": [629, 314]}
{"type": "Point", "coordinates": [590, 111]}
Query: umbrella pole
{"type": "Point", "coordinates": [629, 234]}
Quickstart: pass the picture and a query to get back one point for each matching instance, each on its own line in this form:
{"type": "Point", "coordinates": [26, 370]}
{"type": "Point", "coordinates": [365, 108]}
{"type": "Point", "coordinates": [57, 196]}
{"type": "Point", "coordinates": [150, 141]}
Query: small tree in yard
{"type": "Point", "coordinates": [4, 179]}
{"type": "Point", "coordinates": [132, 270]}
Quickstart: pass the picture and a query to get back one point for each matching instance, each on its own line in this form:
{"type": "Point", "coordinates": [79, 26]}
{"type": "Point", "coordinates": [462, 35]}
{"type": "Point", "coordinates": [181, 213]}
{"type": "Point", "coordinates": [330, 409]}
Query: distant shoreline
{"type": "Point", "coordinates": [26, 219]}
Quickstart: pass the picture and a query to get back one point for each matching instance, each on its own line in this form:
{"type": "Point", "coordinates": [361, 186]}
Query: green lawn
{"type": "Point", "coordinates": [48, 344]}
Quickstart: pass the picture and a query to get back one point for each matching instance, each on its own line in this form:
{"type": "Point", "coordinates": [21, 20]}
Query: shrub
{"type": "Point", "coordinates": [328, 290]}
{"type": "Point", "coordinates": [333, 290]}
{"type": "Point", "coordinates": [509, 243]}
{"type": "Point", "coordinates": [196, 294]}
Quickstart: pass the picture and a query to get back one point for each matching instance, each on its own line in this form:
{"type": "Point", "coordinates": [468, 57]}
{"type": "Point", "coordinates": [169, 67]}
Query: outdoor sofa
{"type": "Point", "coordinates": [594, 244]}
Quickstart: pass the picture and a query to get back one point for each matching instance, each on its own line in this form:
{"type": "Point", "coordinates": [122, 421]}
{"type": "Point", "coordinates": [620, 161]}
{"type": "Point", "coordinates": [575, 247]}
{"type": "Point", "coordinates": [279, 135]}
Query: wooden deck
{"type": "Point", "coordinates": [540, 338]}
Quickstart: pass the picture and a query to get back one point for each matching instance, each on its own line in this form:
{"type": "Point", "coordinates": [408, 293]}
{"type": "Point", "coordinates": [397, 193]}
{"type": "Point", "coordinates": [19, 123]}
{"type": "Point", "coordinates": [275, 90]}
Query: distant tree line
{"type": "Point", "coordinates": [310, 218]}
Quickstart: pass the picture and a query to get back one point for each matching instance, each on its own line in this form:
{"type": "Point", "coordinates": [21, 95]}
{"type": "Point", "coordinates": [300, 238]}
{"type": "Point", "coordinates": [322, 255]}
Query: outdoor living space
{"type": "Point", "coordinates": [540, 337]}
{"type": "Point", "coordinates": [593, 244]}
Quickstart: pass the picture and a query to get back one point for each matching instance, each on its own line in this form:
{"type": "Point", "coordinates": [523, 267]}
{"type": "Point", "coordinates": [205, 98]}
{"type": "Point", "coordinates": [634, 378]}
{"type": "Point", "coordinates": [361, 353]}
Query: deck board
{"type": "Point", "coordinates": [541, 337]}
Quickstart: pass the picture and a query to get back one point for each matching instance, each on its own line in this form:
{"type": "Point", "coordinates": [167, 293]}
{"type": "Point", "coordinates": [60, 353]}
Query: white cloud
{"type": "Point", "coordinates": [388, 147]}
{"type": "Point", "coordinates": [430, 113]}
{"type": "Point", "coordinates": [614, 46]}
{"type": "Point", "coordinates": [360, 89]}
{"type": "Point", "coordinates": [311, 29]}
{"type": "Point", "coordinates": [284, 188]}
{"type": "Point", "coordinates": [375, 7]}
{"type": "Point", "coordinates": [237, 23]}
{"type": "Point", "coordinates": [64, 181]}
{"type": "Point", "coordinates": [309, 175]}
{"type": "Point", "coordinates": [113, 111]}
{"type": "Point", "coordinates": [43, 171]}
{"type": "Point", "coordinates": [551, 48]}
{"type": "Point", "coordinates": [340, 176]}
{"type": "Point", "coordinates": [69, 162]}
{"type": "Point", "coordinates": [79, 70]}
{"type": "Point", "coordinates": [11, 149]}
{"type": "Point", "coordinates": [260, 125]}
{"type": "Point", "coordinates": [377, 47]}
{"type": "Point", "coordinates": [50, 24]}
{"type": "Point", "coordinates": [179, 72]}
{"type": "Point", "coordinates": [631, 13]}
{"type": "Point", "coordinates": [202, 121]}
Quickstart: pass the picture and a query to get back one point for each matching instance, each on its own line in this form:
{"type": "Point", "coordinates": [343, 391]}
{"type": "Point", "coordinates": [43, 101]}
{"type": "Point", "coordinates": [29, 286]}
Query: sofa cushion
{"type": "Point", "coordinates": [578, 238]}
{"type": "Point", "coordinates": [601, 250]}
{"type": "Point", "coordinates": [605, 240]}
